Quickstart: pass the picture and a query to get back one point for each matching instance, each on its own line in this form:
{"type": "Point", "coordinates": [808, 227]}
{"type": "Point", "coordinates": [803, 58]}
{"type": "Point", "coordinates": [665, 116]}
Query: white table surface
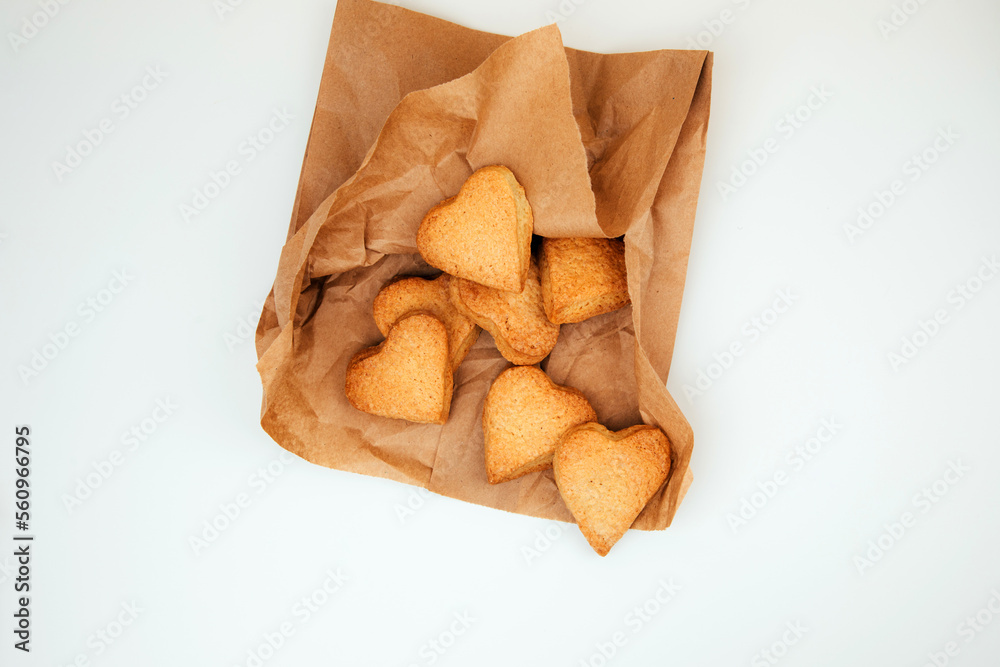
{"type": "Point", "coordinates": [115, 578]}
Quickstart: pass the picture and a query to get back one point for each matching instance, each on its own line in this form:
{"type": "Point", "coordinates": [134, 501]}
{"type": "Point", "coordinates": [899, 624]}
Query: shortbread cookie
{"type": "Point", "coordinates": [524, 416]}
{"type": "Point", "coordinates": [582, 277]}
{"type": "Point", "coordinates": [407, 376]}
{"type": "Point", "coordinates": [516, 320]}
{"type": "Point", "coordinates": [606, 478]}
{"type": "Point", "coordinates": [482, 234]}
{"type": "Point", "coordinates": [412, 294]}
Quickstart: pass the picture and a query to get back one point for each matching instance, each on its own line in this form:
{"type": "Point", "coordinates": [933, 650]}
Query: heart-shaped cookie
{"type": "Point", "coordinates": [524, 416]}
{"type": "Point", "coordinates": [482, 234]}
{"type": "Point", "coordinates": [408, 295]}
{"type": "Point", "coordinates": [606, 478]}
{"type": "Point", "coordinates": [516, 320]}
{"type": "Point", "coordinates": [407, 376]}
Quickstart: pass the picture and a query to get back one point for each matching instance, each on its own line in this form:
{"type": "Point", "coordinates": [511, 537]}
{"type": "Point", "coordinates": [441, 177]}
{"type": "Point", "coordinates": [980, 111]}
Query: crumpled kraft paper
{"type": "Point", "coordinates": [409, 105]}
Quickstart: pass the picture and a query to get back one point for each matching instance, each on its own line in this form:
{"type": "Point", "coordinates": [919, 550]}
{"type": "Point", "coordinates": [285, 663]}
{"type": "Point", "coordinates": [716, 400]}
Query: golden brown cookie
{"type": "Point", "coordinates": [516, 320]}
{"type": "Point", "coordinates": [407, 376]}
{"type": "Point", "coordinates": [524, 416]}
{"type": "Point", "coordinates": [412, 294]}
{"type": "Point", "coordinates": [482, 234]}
{"type": "Point", "coordinates": [606, 478]}
{"type": "Point", "coordinates": [582, 277]}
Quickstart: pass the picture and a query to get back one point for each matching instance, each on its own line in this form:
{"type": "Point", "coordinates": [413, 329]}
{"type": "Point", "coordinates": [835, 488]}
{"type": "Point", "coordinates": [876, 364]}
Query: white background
{"type": "Point", "coordinates": [178, 331]}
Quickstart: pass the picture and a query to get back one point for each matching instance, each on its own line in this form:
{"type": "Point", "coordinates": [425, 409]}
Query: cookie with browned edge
{"type": "Point", "coordinates": [523, 334]}
{"type": "Point", "coordinates": [407, 376]}
{"type": "Point", "coordinates": [582, 277]}
{"type": "Point", "coordinates": [524, 416]}
{"type": "Point", "coordinates": [483, 233]}
{"type": "Point", "coordinates": [606, 478]}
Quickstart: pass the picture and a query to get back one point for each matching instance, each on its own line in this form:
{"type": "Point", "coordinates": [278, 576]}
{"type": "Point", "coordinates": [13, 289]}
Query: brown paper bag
{"type": "Point", "coordinates": [409, 105]}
